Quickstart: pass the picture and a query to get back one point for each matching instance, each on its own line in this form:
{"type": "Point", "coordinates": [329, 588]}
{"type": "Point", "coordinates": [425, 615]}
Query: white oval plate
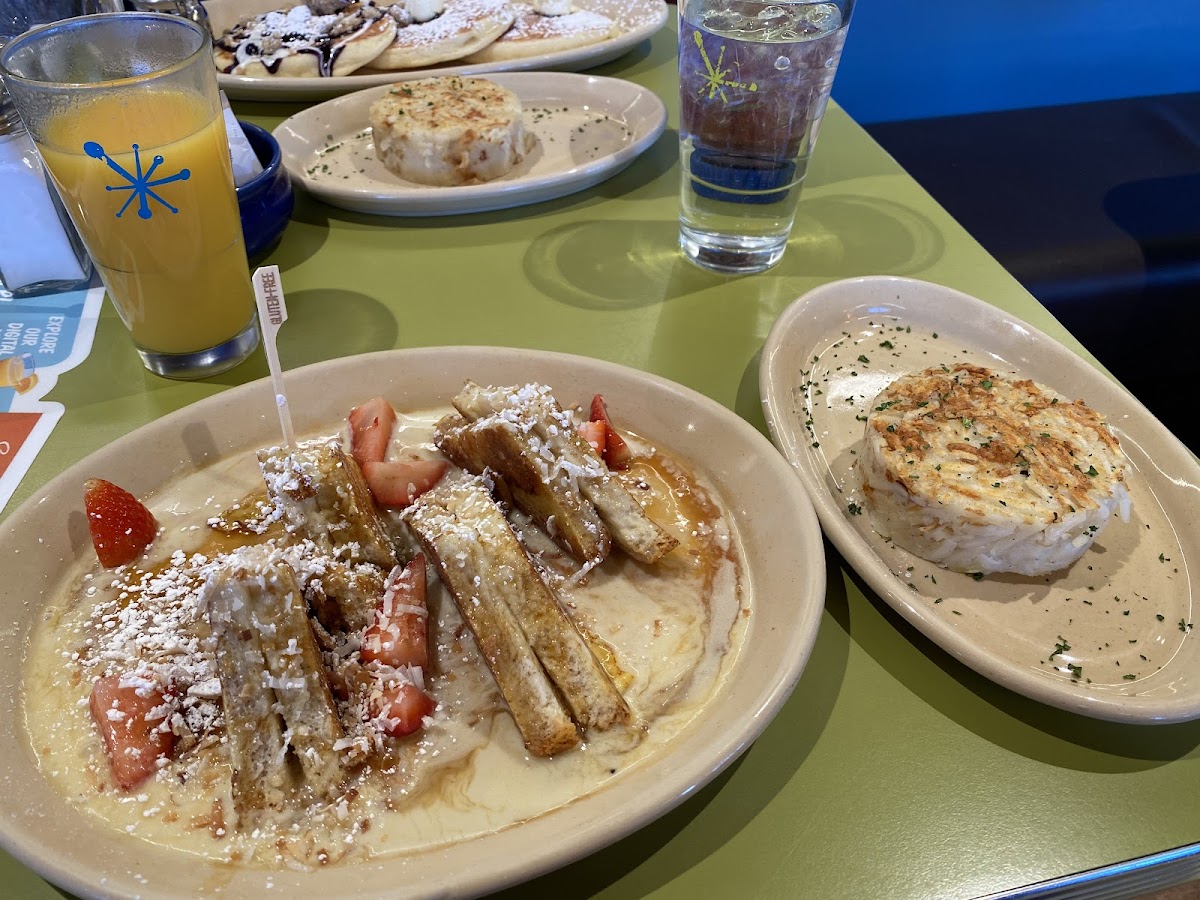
{"type": "Point", "coordinates": [772, 516]}
{"type": "Point", "coordinates": [637, 20]}
{"type": "Point", "coordinates": [588, 129]}
{"type": "Point", "coordinates": [1125, 608]}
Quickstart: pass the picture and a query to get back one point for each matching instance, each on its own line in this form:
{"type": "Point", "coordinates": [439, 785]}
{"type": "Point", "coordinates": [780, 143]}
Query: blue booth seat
{"type": "Point", "coordinates": [1095, 208]}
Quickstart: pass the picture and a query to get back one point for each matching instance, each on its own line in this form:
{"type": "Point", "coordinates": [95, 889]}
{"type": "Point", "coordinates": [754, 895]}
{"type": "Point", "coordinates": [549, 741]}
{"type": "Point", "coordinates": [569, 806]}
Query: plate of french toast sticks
{"type": "Point", "coordinates": [490, 611]}
{"type": "Point", "coordinates": [457, 144]}
{"type": "Point", "coordinates": [268, 49]}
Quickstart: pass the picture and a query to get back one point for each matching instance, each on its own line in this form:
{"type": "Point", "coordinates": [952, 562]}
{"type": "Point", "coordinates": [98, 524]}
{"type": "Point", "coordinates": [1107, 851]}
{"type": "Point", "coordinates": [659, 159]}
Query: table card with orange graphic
{"type": "Point", "coordinates": [40, 337]}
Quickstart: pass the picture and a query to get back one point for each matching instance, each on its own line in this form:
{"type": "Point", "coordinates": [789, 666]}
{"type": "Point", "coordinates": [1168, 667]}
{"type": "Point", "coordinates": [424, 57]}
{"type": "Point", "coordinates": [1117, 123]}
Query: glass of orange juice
{"type": "Point", "coordinates": [124, 109]}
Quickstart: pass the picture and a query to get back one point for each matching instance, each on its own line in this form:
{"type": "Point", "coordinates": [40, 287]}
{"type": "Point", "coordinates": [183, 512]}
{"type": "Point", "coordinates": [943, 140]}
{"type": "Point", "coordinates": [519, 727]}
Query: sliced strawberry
{"type": "Point", "coordinates": [616, 452]}
{"type": "Point", "coordinates": [598, 412]}
{"type": "Point", "coordinates": [398, 636]}
{"type": "Point", "coordinates": [400, 483]}
{"type": "Point", "coordinates": [593, 433]}
{"type": "Point", "coordinates": [371, 427]}
{"type": "Point", "coordinates": [132, 724]}
{"type": "Point", "coordinates": [122, 528]}
{"type": "Point", "coordinates": [399, 707]}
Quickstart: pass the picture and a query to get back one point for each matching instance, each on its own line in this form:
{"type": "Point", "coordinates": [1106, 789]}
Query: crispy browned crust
{"type": "Point", "coordinates": [569, 520]}
{"type": "Point", "coordinates": [477, 557]}
{"type": "Point", "coordinates": [321, 496]}
{"type": "Point", "coordinates": [635, 532]}
{"type": "Point", "coordinates": [273, 687]}
{"type": "Point", "coordinates": [938, 416]}
{"type": "Point", "coordinates": [252, 515]}
{"type": "Point", "coordinates": [344, 597]}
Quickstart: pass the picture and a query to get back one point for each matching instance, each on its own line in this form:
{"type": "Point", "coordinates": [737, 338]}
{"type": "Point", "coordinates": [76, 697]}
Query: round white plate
{"type": "Point", "coordinates": [587, 128]}
{"type": "Point", "coordinates": [771, 514]}
{"type": "Point", "coordinates": [636, 19]}
{"type": "Point", "coordinates": [1125, 609]}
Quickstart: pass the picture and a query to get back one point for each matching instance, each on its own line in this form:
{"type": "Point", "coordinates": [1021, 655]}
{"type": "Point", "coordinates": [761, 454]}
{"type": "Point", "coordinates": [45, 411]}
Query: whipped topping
{"type": "Point", "coordinates": [424, 10]}
{"type": "Point", "coordinates": [531, 23]}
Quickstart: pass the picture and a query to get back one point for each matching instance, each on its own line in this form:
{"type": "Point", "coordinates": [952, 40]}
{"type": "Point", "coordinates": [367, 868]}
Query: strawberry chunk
{"type": "Point", "coordinates": [371, 427]}
{"type": "Point", "coordinates": [400, 483]}
{"type": "Point", "coordinates": [399, 707]}
{"type": "Point", "coordinates": [398, 636]}
{"type": "Point", "coordinates": [132, 724]}
{"type": "Point", "coordinates": [593, 433]}
{"type": "Point", "coordinates": [122, 528]}
{"type": "Point", "coordinates": [616, 452]}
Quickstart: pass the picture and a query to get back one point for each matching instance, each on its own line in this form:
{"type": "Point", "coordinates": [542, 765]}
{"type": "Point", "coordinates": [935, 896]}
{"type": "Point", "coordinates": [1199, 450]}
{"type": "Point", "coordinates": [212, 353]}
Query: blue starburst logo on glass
{"type": "Point", "coordinates": [141, 184]}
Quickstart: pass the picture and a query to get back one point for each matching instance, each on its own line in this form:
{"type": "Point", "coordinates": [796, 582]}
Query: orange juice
{"type": "Point", "coordinates": [148, 180]}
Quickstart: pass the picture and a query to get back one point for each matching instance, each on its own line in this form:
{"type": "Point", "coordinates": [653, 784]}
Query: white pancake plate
{"type": "Point", "coordinates": [636, 19]}
{"type": "Point", "coordinates": [588, 129]}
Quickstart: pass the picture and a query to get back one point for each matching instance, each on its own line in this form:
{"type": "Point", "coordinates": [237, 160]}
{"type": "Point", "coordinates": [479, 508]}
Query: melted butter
{"type": "Point", "coordinates": [669, 633]}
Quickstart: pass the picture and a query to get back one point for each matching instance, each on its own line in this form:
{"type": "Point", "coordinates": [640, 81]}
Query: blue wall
{"type": "Point", "coordinates": [907, 59]}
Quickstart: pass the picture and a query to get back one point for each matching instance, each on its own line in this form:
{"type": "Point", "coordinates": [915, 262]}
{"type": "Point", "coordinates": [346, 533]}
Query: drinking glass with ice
{"type": "Point", "coordinates": [754, 79]}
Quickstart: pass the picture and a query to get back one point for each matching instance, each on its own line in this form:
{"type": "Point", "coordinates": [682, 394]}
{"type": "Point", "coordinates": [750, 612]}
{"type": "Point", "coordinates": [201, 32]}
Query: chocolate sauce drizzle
{"type": "Point", "coordinates": [325, 47]}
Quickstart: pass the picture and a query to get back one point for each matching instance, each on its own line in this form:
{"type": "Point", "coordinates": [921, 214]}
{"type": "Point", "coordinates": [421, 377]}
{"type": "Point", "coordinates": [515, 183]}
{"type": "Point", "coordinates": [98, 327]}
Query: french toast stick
{"type": "Point", "coordinates": [492, 443]}
{"type": "Point", "coordinates": [502, 565]}
{"type": "Point", "coordinates": [261, 778]}
{"type": "Point", "coordinates": [321, 494]}
{"type": "Point", "coordinates": [322, 497]}
{"type": "Point", "coordinates": [533, 410]}
{"type": "Point", "coordinates": [470, 542]}
{"type": "Point", "coordinates": [273, 685]}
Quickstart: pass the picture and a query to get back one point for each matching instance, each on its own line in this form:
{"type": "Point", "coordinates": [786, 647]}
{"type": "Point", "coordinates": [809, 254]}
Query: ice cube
{"type": "Point", "coordinates": [722, 21]}
{"type": "Point", "coordinates": [822, 18]}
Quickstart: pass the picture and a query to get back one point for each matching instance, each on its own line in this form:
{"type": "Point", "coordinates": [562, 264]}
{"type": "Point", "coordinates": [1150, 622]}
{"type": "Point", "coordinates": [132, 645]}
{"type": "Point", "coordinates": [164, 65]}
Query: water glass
{"type": "Point", "coordinates": [754, 80]}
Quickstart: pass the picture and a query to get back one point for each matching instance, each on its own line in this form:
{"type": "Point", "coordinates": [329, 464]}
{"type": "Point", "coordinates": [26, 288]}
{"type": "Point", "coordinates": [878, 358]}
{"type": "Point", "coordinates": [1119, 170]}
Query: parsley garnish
{"type": "Point", "coordinates": [863, 359]}
{"type": "Point", "coordinates": [854, 509]}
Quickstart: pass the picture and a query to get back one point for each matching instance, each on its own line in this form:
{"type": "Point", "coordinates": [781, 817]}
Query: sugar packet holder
{"type": "Point", "coordinates": [245, 161]}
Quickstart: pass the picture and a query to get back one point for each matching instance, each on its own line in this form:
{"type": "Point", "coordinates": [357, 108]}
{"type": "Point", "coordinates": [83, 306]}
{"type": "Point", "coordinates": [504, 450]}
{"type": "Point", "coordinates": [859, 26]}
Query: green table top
{"type": "Point", "coordinates": [893, 771]}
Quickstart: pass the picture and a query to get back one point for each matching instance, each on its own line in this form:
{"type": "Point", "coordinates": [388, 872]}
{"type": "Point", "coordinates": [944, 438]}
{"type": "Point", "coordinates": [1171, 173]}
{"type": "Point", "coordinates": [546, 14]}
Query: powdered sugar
{"type": "Point", "coordinates": [530, 24]}
{"type": "Point", "coordinates": [458, 18]}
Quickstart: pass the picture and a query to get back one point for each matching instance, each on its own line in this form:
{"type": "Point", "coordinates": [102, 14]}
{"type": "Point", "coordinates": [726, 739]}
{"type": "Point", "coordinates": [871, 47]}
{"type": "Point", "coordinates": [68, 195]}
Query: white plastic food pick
{"type": "Point", "coordinates": [272, 312]}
